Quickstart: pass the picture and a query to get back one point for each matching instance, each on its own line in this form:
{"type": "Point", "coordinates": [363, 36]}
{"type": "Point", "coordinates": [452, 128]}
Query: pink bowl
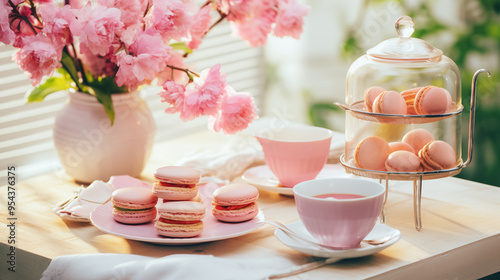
{"type": "Point", "coordinates": [296, 153]}
{"type": "Point", "coordinates": [339, 223]}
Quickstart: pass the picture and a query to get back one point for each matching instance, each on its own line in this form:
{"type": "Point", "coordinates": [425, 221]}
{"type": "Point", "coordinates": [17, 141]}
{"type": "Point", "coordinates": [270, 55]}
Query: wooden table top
{"type": "Point", "coordinates": [460, 236]}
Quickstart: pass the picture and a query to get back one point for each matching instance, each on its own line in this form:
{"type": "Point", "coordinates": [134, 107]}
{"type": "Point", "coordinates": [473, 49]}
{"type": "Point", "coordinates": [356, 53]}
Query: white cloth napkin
{"type": "Point", "coordinates": [173, 267]}
{"type": "Point", "coordinates": [79, 207]}
{"type": "Point", "coordinates": [225, 164]}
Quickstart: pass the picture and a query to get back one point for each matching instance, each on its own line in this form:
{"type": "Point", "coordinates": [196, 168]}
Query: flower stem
{"type": "Point", "coordinates": [221, 18]}
{"type": "Point", "coordinates": [75, 79]}
{"type": "Point", "coordinates": [33, 10]}
{"type": "Point", "coordinates": [79, 65]}
{"type": "Point", "coordinates": [188, 72]}
{"type": "Point", "coordinates": [72, 74]}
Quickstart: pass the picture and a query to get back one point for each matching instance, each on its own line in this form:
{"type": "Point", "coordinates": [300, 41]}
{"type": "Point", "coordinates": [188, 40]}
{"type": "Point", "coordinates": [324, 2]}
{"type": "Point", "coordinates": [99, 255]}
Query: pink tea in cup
{"type": "Point", "coordinates": [339, 195]}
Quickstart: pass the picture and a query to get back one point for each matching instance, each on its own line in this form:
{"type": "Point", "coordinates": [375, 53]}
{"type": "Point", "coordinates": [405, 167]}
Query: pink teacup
{"type": "Point", "coordinates": [296, 153]}
{"type": "Point", "coordinates": [340, 222]}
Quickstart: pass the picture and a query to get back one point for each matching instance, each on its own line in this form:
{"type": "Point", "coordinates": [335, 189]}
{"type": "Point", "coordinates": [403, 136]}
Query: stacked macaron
{"type": "Point", "coordinates": [437, 155]}
{"type": "Point", "coordinates": [180, 219]}
{"type": "Point", "coordinates": [174, 183]}
{"type": "Point", "coordinates": [418, 151]}
{"type": "Point", "coordinates": [235, 203]}
{"type": "Point", "coordinates": [428, 100]}
{"type": "Point", "coordinates": [134, 205]}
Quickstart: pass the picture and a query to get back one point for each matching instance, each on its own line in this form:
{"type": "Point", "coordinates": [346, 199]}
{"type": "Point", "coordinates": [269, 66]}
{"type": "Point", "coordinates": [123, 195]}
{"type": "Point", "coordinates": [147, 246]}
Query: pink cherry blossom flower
{"type": "Point", "coordinates": [191, 109]}
{"type": "Point", "coordinates": [145, 58]}
{"type": "Point", "coordinates": [37, 57]}
{"type": "Point", "coordinates": [255, 29]}
{"type": "Point", "coordinates": [237, 111]}
{"type": "Point", "coordinates": [208, 90]}
{"type": "Point", "coordinates": [174, 95]}
{"type": "Point", "coordinates": [6, 34]}
{"type": "Point", "coordinates": [56, 23]}
{"type": "Point", "coordinates": [200, 26]}
{"type": "Point", "coordinates": [175, 60]}
{"type": "Point", "coordinates": [77, 4]}
{"type": "Point", "coordinates": [129, 34]}
{"type": "Point", "coordinates": [42, 1]}
{"type": "Point", "coordinates": [22, 28]}
{"type": "Point", "coordinates": [237, 10]}
{"type": "Point", "coordinates": [96, 27]}
{"type": "Point", "coordinates": [98, 65]}
{"type": "Point", "coordinates": [290, 20]}
{"type": "Point", "coordinates": [132, 11]}
{"type": "Point", "coordinates": [15, 2]}
{"type": "Point", "coordinates": [24, 10]}
{"type": "Point", "coordinates": [170, 18]}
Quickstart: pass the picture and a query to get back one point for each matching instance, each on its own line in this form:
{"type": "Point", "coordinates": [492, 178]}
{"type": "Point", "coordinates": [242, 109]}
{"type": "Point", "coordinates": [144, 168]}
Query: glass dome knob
{"type": "Point", "coordinates": [405, 27]}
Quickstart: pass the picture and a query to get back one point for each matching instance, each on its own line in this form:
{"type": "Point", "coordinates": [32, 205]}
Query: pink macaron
{"type": "Point", "coordinates": [197, 198]}
{"type": "Point", "coordinates": [235, 203]}
{"type": "Point", "coordinates": [403, 161]}
{"type": "Point", "coordinates": [401, 146]}
{"type": "Point", "coordinates": [180, 219]}
{"type": "Point", "coordinates": [371, 153]}
{"type": "Point", "coordinates": [438, 155]}
{"type": "Point", "coordinates": [389, 102]}
{"type": "Point", "coordinates": [176, 183]}
{"type": "Point", "coordinates": [431, 100]}
{"type": "Point", "coordinates": [418, 138]}
{"type": "Point", "coordinates": [134, 205]}
{"type": "Point", "coordinates": [371, 94]}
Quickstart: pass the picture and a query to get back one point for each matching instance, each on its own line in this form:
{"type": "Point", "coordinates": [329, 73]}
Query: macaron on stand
{"type": "Point", "coordinates": [405, 65]}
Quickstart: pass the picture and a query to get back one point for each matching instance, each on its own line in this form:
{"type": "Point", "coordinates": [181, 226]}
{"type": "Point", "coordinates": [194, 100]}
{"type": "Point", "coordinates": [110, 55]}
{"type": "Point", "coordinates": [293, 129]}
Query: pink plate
{"type": "Point", "coordinates": [214, 230]}
{"type": "Point", "coordinates": [262, 177]}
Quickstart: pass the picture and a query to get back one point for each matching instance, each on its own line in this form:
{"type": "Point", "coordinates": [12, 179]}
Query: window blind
{"type": "Point", "coordinates": [26, 129]}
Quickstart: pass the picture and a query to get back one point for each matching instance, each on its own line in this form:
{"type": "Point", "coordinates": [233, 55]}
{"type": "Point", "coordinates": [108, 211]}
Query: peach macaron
{"type": "Point", "coordinates": [176, 183]}
{"type": "Point", "coordinates": [403, 161]}
{"type": "Point", "coordinates": [371, 94]}
{"type": "Point", "coordinates": [431, 100]}
{"type": "Point", "coordinates": [371, 153]}
{"type": "Point", "coordinates": [389, 102]}
{"type": "Point", "coordinates": [409, 97]}
{"type": "Point", "coordinates": [438, 155]}
{"type": "Point", "coordinates": [134, 205]}
{"type": "Point", "coordinates": [418, 138]}
{"type": "Point", "coordinates": [180, 219]}
{"type": "Point", "coordinates": [401, 146]}
{"type": "Point", "coordinates": [235, 203]}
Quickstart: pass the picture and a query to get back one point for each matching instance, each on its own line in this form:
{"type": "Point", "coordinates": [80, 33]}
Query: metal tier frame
{"type": "Point", "coordinates": [416, 177]}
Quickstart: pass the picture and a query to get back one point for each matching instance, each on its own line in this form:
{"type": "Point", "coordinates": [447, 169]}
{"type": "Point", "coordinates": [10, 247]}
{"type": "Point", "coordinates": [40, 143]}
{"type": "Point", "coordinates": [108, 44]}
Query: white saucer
{"type": "Point", "coordinates": [262, 177]}
{"type": "Point", "coordinates": [379, 231]}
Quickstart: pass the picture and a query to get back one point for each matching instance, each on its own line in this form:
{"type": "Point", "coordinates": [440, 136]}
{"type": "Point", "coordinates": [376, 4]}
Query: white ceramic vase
{"type": "Point", "coordinates": [90, 148]}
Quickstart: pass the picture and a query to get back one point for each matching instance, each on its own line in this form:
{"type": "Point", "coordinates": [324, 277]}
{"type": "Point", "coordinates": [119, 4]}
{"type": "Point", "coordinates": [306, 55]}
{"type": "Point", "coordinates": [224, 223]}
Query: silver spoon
{"type": "Point", "coordinates": [321, 246]}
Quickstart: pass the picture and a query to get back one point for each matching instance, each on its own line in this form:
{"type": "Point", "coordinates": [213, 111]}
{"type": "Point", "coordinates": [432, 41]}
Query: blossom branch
{"type": "Point", "coordinates": [188, 72]}
{"type": "Point", "coordinates": [221, 18]}
{"type": "Point", "coordinates": [12, 5]}
{"type": "Point", "coordinates": [17, 15]}
{"type": "Point", "coordinates": [208, 2]}
{"type": "Point", "coordinates": [33, 10]}
{"type": "Point", "coordinates": [146, 11]}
